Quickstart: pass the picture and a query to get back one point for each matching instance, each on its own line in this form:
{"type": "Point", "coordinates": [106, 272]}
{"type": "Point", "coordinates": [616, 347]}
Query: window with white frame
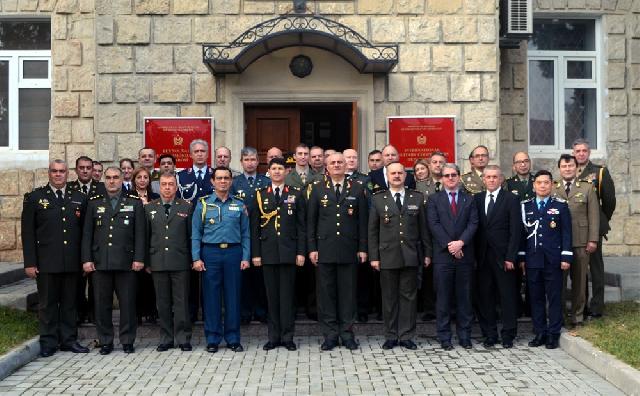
{"type": "Point", "coordinates": [25, 84]}
{"type": "Point", "coordinates": [564, 84]}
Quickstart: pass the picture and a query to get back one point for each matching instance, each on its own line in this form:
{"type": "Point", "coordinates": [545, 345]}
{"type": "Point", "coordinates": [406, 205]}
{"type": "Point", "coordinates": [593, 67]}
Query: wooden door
{"type": "Point", "coordinates": [267, 127]}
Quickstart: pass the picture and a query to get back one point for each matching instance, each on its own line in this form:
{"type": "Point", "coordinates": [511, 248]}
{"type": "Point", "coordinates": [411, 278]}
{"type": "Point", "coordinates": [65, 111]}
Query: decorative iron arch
{"type": "Point", "coordinates": [300, 30]}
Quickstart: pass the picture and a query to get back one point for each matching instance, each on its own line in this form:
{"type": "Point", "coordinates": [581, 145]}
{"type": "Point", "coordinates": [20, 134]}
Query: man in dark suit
{"type": "Point", "coordinates": [545, 252]}
{"type": "Point", "coordinates": [378, 178]}
{"type": "Point", "coordinates": [85, 183]}
{"type": "Point", "coordinates": [278, 244]}
{"type": "Point", "coordinates": [337, 218]}
{"type": "Point", "coordinates": [399, 242]}
{"type": "Point", "coordinates": [169, 260]}
{"type": "Point", "coordinates": [113, 248]}
{"type": "Point", "coordinates": [497, 242]}
{"type": "Point", "coordinates": [52, 218]}
{"type": "Point", "coordinates": [603, 183]}
{"type": "Point", "coordinates": [453, 220]}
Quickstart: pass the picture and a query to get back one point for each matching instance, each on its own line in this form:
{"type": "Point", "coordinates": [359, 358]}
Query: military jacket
{"type": "Point", "coordinates": [240, 188]}
{"type": "Point", "coordinates": [114, 239]}
{"type": "Point", "coordinates": [605, 189]}
{"type": "Point", "coordinates": [584, 208]}
{"type": "Point", "coordinates": [168, 237]}
{"type": "Point", "coordinates": [278, 230]}
{"type": "Point", "coordinates": [358, 176]}
{"type": "Point", "coordinates": [52, 232]}
{"type": "Point", "coordinates": [398, 238]}
{"type": "Point", "coordinates": [190, 188]}
{"type": "Point", "coordinates": [472, 182]}
{"type": "Point", "coordinates": [293, 179]}
{"type": "Point", "coordinates": [428, 187]}
{"type": "Point", "coordinates": [95, 188]}
{"type": "Point", "coordinates": [337, 226]}
{"type": "Point", "coordinates": [523, 189]}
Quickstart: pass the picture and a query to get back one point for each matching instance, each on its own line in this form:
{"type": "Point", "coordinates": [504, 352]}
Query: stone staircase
{"type": "Point", "coordinates": [16, 290]}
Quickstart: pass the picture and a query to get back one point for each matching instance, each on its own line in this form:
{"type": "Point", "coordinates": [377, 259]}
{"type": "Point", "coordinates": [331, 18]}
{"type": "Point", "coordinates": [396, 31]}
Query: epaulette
{"type": "Point", "coordinates": [562, 200]}
{"type": "Point", "coordinates": [357, 181]}
{"type": "Point", "coordinates": [316, 181]}
{"type": "Point", "coordinates": [558, 184]}
{"type": "Point", "coordinates": [183, 201]}
{"type": "Point", "coordinates": [527, 200]}
{"type": "Point", "coordinates": [585, 181]}
{"type": "Point", "coordinates": [295, 188]}
{"type": "Point", "coordinates": [40, 188]}
{"type": "Point", "coordinates": [95, 197]}
{"type": "Point", "coordinates": [238, 198]}
{"type": "Point", "coordinates": [133, 196]}
{"type": "Point", "coordinates": [379, 191]}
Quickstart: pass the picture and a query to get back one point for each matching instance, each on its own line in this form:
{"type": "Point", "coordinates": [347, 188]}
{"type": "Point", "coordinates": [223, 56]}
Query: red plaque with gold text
{"type": "Point", "coordinates": [417, 137]}
{"type": "Point", "coordinates": [173, 136]}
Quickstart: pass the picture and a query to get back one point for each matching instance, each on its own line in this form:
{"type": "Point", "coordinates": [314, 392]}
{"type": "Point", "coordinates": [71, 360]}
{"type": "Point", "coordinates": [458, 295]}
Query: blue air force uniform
{"type": "Point", "coordinates": [221, 238]}
{"type": "Point", "coordinates": [192, 184]}
{"type": "Point", "coordinates": [546, 242]}
{"type": "Point", "coordinates": [254, 298]}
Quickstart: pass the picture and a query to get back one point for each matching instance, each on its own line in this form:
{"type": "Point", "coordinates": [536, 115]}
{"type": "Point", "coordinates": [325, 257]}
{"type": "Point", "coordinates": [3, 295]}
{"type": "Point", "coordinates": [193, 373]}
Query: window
{"type": "Point", "coordinates": [564, 87]}
{"type": "Point", "coordinates": [25, 84]}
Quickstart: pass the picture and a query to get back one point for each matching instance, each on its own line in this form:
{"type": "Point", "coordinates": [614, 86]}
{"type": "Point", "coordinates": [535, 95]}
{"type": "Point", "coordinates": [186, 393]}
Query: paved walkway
{"type": "Point", "coordinates": [370, 370]}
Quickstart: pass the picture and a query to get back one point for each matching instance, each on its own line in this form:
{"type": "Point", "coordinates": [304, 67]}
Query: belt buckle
{"type": "Point", "coordinates": [224, 245]}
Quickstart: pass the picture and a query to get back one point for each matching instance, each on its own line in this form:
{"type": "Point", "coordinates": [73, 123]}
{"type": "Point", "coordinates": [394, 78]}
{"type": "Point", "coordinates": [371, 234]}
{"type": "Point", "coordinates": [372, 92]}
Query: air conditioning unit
{"type": "Point", "coordinates": [516, 21]}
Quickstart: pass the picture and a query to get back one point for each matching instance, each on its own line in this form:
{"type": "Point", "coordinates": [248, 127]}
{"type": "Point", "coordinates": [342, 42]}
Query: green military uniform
{"type": "Point", "coordinates": [278, 235]}
{"type": "Point", "coordinates": [585, 222]}
{"type": "Point", "coordinates": [168, 231]}
{"type": "Point", "coordinates": [337, 230]}
{"type": "Point", "coordinates": [359, 177]}
{"type": "Point", "coordinates": [472, 182]}
{"type": "Point", "coordinates": [51, 236]}
{"type": "Point", "coordinates": [113, 238]}
{"type": "Point", "coordinates": [294, 179]}
{"type": "Point", "coordinates": [522, 188]}
{"type": "Point", "coordinates": [606, 191]}
{"type": "Point", "coordinates": [429, 187]}
{"type": "Point", "coordinates": [399, 239]}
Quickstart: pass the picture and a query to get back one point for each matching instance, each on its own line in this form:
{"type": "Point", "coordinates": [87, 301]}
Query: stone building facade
{"type": "Point", "coordinates": [114, 62]}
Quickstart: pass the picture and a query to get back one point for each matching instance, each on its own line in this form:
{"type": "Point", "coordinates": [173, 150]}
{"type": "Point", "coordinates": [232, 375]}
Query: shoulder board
{"type": "Point", "coordinates": [157, 200]}
{"type": "Point", "coordinates": [379, 191]}
{"type": "Point", "coordinates": [585, 181]}
{"type": "Point", "coordinates": [183, 201]}
{"type": "Point", "coordinates": [97, 196]}
{"type": "Point", "coordinates": [133, 196]}
{"type": "Point", "coordinates": [559, 199]}
{"type": "Point", "coordinates": [358, 181]}
{"type": "Point", "coordinates": [558, 184]}
{"type": "Point", "coordinates": [527, 200]}
{"type": "Point", "coordinates": [294, 188]}
{"type": "Point", "coordinates": [41, 188]}
{"type": "Point", "coordinates": [465, 174]}
{"type": "Point", "coordinates": [316, 181]}
{"type": "Point", "coordinates": [237, 198]}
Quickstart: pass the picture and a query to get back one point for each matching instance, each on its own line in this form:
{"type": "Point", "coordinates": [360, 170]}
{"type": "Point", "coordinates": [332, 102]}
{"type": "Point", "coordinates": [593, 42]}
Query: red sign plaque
{"type": "Point", "coordinates": [417, 137]}
{"type": "Point", "coordinates": [173, 136]}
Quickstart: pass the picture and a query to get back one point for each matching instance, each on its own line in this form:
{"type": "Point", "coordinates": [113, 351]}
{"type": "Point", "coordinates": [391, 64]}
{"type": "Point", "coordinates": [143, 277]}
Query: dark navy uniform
{"type": "Point", "coordinates": [221, 238]}
{"type": "Point", "coordinates": [191, 186]}
{"type": "Point", "coordinates": [254, 300]}
{"type": "Point", "coordinates": [521, 188]}
{"type": "Point", "coordinates": [546, 242]}
{"type": "Point", "coordinates": [94, 188]}
{"type": "Point", "coordinates": [51, 236]}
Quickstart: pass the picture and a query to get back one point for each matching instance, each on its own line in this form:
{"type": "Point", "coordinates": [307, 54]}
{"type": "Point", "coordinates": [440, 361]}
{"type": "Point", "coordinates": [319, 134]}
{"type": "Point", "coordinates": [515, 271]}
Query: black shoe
{"type": "Point", "coordinates": [328, 345]}
{"type": "Point", "coordinates": [489, 342]}
{"type": "Point", "coordinates": [552, 342]}
{"type": "Point", "coordinates": [447, 346]}
{"type": "Point", "coordinates": [539, 340]}
{"type": "Point", "coordinates": [236, 347]}
{"type": "Point", "coordinates": [290, 345]}
{"type": "Point", "coordinates": [270, 345]}
{"type": "Point", "coordinates": [47, 352]}
{"type": "Point", "coordinates": [128, 348]}
{"type": "Point", "coordinates": [212, 348]}
{"type": "Point", "coordinates": [390, 344]}
{"type": "Point", "coordinates": [351, 345]}
{"type": "Point", "coordinates": [428, 317]}
{"type": "Point", "coordinates": [466, 344]}
{"type": "Point", "coordinates": [507, 344]}
{"type": "Point", "coordinates": [164, 347]}
{"type": "Point", "coordinates": [75, 348]}
{"type": "Point", "coordinates": [106, 349]}
{"type": "Point", "coordinates": [408, 344]}
{"type": "Point", "coordinates": [186, 347]}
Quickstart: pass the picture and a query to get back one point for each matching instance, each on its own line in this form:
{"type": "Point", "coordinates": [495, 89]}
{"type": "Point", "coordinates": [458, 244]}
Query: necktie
{"type": "Point", "coordinates": [277, 195]}
{"type": "Point", "coordinates": [250, 178]}
{"type": "Point", "coordinates": [491, 204]}
{"type": "Point", "coordinates": [84, 189]}
{"type": "Point", "coordinates": [166, 209]}
{"type": "Point", "coordinates": [200, 175]}
{"type": "Point", "coordinates": [60, 198]}
{"type": "Point", "coordinates": [454, 206]}
{"type": "Point", "coordinates": [437, 186]}
{"type": "Point", "coordinates": [303, 177]}
{"type": "Point", "coordinates": [398, 203]}
{"type": "Point", "coordinates": [540, 205]}
{"type": "Point", "coordinates": [126, 186]}
{"type": "Point", "coordinates": [114, 203]}
{"type": "Point", "coordinates": [567, 188]}
{"type": "Point", "coordinates": [337, 191]}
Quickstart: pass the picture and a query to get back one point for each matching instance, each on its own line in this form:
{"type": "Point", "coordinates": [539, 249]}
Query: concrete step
{"type": "Point", "coordinates": [624, 272]}
{"type": "Point", "coordinates": [11, 273]}
{"type": "Point", "coordinates": [20, 295]}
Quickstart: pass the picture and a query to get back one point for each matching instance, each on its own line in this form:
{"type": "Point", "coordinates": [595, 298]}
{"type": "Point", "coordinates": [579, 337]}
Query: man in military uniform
{"type": "Point", "coordinates": [545, 252]}
{"type": "Point", "coordinates": [223, 159]}
{"type": "Point", "coordinates": [378, 178]}
{"type": "Point", "coordinates": [521, 183]}
{"type": "Point", "coordinates": [316, 160]}
{"type": "Point", "coordinates": [374, 160]}
{"type": "Point", "coordinates": [220, 246]}
{"type": "Point", "coordinates": [337, 238]}
{"type": "Point", "coordinates": [169, 260]}
{"type": "Point", "coordinates": [606, 191]}
{"type": "Point", "coordinates": [585, 218]}
{"type": "Point", "coordinates": [278, 244]}
{"type": "Point", "coordinates": [98, 170]}
{"type": "Point", "coordinates": [302, 174]}
{"type": "Point", "coordinates": [472, 180]}
{"type": "Point", "coordinates": [244, 186]}
{"type": "Point", "coordinates": [52, 218]}
{"type": "Point", "coordinates": [351, 161]}
{"type": "Point", "coordinates": [147, 160]}
{"type": "Point", "coordinates": [113, 248]}
{"type": "Point", "coordinates": [399, 242]}
{"type": "Point", "coordinates": [273, 152]}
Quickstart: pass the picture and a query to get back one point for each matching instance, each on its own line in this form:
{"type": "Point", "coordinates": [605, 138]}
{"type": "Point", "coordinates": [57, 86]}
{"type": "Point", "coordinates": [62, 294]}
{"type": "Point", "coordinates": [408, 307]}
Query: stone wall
{"type": "Point", "coordinates": [621, 101]}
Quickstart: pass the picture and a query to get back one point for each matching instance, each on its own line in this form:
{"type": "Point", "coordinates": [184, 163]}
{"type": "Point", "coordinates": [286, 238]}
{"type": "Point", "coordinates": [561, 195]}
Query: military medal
{"type": "Point", "coordinates": [386, 215]}
{"type": "Point", "coordinates": [153, 214]}
{"type": "Point", "coordinates": [552, 224]}
{"type": "Point", "coordinates": [211, 221]}
{"type": "Point", "coordinates": [44, 202]}
{"type": "Point", "coordinates": [324, 201]}
{"type": "Point", "coordinates": [350, 211]}
{"type": "Point", "coordinates": [289, 210]}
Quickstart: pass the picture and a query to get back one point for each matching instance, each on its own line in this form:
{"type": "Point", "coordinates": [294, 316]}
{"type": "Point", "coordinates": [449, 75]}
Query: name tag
{"type": "Point", "coordinates": [127, 208]}
{"type": "Point", "coordinates": [77, 203]}
{"type": "Point", "coordinates": [234, 208]}
{"type": "Point", "coordinates": [182, 214]}
{"type": "Point", "coordinates": [350, 198]}
{"type": "Point", "coordinates": [100, 209]}
{"type": "Point", "coordinates": [412, 207]}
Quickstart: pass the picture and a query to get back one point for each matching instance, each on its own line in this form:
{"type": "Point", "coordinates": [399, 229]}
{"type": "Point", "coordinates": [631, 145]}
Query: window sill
{"type": "Point", "coordinates": [555, 154]}
{"type": "Point", "coordinates": [23, 159]}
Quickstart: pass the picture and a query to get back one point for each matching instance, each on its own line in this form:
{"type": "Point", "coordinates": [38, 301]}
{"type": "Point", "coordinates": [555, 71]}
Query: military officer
{"type": "Point", "coordinates": [399, 242]}
{"type": "Point", "coordinates": [244, 186]}
{"type": "Point", "coordinates": [147, 160]}
{"type": "Point", "coordinates": [195, 182]}
{"type": "Point", "coordinates": [545, 252]}
{"type": "Point", "coordinates": [521, 183]}
{"type": "Point", "coordinates": [85, 183]}
{"type": "Point", "coordinates": [337, 240]}
{"type": "Point", "coordinates": [606, 191]}
{"type": "Point", "coordinates": [472, 180]}
{"type": "Point", "coordinates": [278, 244]}
{"type": "Point", "coordinates": [52, 218]}
{"type": "Point", "coordinates": [585, 218]}
{"type": "Point", "coordinates": [302, 174]}
{"type": "Point", "coordinates": [352, 172]}
{"type": "Point", "coordinates": [223, 159]}
{"type": "Point", "coordinates": [220, 248]}
{"type": "Point", "coordinates": [113, 247]}
{"type": "Point", "coordinates": [169, 260]}
{"type": "Point", "coordinates": [378, 180]}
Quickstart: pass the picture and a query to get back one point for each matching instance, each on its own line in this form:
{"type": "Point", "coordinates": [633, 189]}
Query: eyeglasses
{"type": "Point", "coordinates": [450, 175]}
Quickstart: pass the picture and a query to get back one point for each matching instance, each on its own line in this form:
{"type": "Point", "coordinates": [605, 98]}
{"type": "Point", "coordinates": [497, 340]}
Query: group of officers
{"type": "Point", "coordinates": [313, 230]}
